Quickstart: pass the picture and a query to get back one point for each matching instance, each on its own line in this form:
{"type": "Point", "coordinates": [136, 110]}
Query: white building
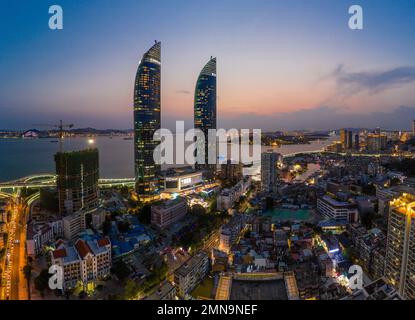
{"type": "Point", "coordinates": [98, 217]}
{"type": "Point", "coordinates": [337, 210]}
{"type": "Point", "coordinates": [84, 263]}
{"type": "Point", "coordinates": [73, 225]}
{"type": "Point", "coordinates": [230, 232]}
{"type": "Point", "coordinates": [40, 234]}
{"type": "Point", "coordinates": [227, 197]}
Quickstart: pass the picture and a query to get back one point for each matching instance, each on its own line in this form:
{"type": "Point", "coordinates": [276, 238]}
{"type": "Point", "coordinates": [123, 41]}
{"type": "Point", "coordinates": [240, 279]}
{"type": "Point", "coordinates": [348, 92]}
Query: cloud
{"type": "Point", "coordinates": [183, 92]}
{"type": "Point", "coordinates": [372, 81]}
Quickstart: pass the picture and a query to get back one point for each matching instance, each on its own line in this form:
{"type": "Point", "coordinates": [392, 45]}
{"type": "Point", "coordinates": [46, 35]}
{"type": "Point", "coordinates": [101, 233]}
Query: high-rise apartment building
{"type": "Point", "coordinates": [376, 142]}
{"type": "Point", "coordinates": [77, 180]}
{"type": "Point", "coordinates": [147, 110]}
{"type": "Point", "coordinates": [400, 248]}
{"type": "Point", "coordinates": [346, 137]}
{"type": "Point", "coordinates": [357, 141]}
{"type": "Point", "coordinates": [349, 140]}
{"type": "Point", "coordinates": [269, 171]}
{"type": "Point", "coordinates": [343, 133]}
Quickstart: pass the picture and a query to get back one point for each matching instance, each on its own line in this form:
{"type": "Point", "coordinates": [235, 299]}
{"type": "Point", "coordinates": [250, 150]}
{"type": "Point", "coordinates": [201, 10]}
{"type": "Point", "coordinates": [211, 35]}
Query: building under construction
{"type": "Point", "coordinates": [77, 180]}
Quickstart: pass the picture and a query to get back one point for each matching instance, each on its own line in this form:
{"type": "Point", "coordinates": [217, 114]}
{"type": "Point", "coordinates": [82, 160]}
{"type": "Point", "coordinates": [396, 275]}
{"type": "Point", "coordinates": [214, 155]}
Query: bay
{"type": "Point", "coordinates": [24, 157]}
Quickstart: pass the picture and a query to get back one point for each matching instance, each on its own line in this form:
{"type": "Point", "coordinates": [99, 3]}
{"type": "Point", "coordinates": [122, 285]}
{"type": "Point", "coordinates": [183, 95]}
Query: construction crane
{"type": "Point", "coordinates": [61, 127]}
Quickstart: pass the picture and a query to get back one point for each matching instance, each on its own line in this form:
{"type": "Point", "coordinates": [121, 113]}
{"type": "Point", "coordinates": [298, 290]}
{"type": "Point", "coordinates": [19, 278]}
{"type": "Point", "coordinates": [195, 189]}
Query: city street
{"type": "Point", "coordinates": [15, 287]}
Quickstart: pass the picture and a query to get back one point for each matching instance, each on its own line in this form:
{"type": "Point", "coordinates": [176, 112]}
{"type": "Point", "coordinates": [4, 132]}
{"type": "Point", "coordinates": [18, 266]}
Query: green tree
{"type": "Point", "coordinates": [198, 210]}
{"type": "Point", "coordinates": [27, 271]}
{"type": "Point", "coordinates": [125, 191]}
{"type": "Point", "coordinates": [124, 226]}
{"type": "Point", "coordinates": [42, 281]}
{"type": "Point", "coordinates": [131, 289]}
{"type": "Point", "coordinates": [369, 189]}
{"type": "Point", "coordinates": [121, 270]}
{"type": "Point", "coordinates": [145, 214]}
{"type": "Point", "coordinates": [106, 226]}
{"type": "Point", "coordinates": [5, 237]}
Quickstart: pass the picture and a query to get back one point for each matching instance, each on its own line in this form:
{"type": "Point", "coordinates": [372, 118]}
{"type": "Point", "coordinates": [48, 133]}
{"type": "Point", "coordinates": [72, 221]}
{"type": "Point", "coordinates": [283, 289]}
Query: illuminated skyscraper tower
{"type": "Point", "coordinates": [400, 249]}
{"type": "Point", "coordinates": [205, 107]}
{"type": "Point", "coordinates": [147, 120]}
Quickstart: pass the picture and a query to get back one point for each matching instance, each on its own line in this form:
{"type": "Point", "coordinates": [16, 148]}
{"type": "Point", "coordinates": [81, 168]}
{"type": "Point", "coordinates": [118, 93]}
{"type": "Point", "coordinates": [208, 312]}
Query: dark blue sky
{"type": "Point", "coordinates": [280, 63]}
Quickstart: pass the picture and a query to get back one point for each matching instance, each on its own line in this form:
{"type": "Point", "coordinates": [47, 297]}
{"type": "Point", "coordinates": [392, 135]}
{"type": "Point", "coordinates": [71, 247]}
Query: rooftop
{"type": "Point", "coordinates": [255, 288]}
{"type": "Point", "coordinates": [193, 261]}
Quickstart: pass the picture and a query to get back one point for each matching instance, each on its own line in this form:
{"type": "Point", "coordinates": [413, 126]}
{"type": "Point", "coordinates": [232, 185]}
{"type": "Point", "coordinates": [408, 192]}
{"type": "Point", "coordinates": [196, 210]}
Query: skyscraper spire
{"type": "Point", "coordinates": [205, 107]}
{"type": "Point", "coordinates": [147, 120]}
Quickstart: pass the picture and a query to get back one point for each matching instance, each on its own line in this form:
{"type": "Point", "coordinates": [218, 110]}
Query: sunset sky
{"type": "Point", "coordinates": [288, 64]}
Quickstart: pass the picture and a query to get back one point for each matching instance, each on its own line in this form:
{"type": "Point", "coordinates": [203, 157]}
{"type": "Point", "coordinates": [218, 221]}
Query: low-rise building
{"type": "Point", "coordinates": [84, 263]}
{"type": "Point", "coordinates": [227, 197]}
{"type": "Point", "coordinates": [230, 232]}
{"type": "Point", "coordinates": [168, 212]}
{"type": "Point", "coordinates": [190, 273]}
{"type": "Point", "coordinates": [377, 290]}
{"type": "Point", "coordinates": [332, 208]}
{"type": "Point", "coordinates": [97, 218]}
{"type": "Point", "coordinates": [370, 250]}
{"type": "Point", "coordinates": [166, 291]}
{"type": "Point", "coordinates": [40, 234]}
{"type": "Point", "coordinates": [73, 225]}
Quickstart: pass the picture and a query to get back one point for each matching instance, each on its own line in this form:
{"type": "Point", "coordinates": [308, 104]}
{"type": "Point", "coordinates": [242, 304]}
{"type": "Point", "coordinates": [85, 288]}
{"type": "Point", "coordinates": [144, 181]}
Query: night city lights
{"type": "Point", "coordinates": [202, 159]}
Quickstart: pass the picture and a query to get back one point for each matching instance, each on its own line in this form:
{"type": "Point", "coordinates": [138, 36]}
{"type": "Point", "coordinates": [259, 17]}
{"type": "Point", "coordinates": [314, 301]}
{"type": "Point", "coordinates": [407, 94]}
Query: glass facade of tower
{"type": "Point", "coordinates": [147, 120]}
{"type": "Point", "coordinates": [400, 248]}
{"type": "Point", "coordinates": [205, 105]}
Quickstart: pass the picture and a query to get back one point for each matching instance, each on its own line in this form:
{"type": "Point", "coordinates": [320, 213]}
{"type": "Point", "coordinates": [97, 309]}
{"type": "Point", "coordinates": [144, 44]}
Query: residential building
{"type": "Point", "coordinates": [190, 273]}
{"type": "Point", "coordinates": [231, 172]}
{"type": "Point", "coordinates": [376, 142]}
{"type": "Point", "coordinates": [73, 225]}
{"type": "Point", "coordinates": [227, 197]}
{"type": "Point", "coordinates": [41, 233]}
{"type": "Point", "coordinates": [230, 232]}
{"type": "Point", "coordinates": [168, 212]}
{"type": "Point", "coordinates": [84, 263]}
{"type": "Point", "coordinates": [269, 171]}
{"type": "Point", "coordinates": [400, 259]}
{"type": "Point", "coordinates": [97, 218]}
{"type": "Point", "coordinates": [370, 249]}
{"type": "Point", "coordinates": [165, 291]}
{"type": "Point", "coordinates": [376, 290]}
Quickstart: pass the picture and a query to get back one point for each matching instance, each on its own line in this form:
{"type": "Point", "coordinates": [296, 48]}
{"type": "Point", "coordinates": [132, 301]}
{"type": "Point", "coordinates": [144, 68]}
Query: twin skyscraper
{"type": "Point", "coordinates": [147, 115]}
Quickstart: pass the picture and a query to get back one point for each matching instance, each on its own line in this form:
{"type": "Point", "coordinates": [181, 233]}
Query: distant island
{"type": "Point", "coordinates": [54, 133]}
